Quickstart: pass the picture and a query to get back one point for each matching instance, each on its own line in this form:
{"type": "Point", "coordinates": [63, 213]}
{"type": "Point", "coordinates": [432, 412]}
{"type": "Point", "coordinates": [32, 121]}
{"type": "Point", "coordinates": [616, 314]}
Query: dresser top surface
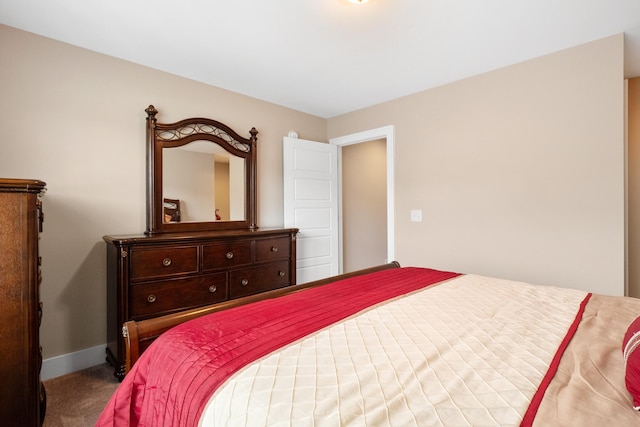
{"type": "Point", "coordinates": [196, 235]}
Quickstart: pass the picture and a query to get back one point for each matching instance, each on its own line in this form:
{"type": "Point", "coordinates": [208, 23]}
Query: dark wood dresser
{"type": "Point", "coordinates": [153, 275]}
{"type": "Point", "coordinates": [22, 395]}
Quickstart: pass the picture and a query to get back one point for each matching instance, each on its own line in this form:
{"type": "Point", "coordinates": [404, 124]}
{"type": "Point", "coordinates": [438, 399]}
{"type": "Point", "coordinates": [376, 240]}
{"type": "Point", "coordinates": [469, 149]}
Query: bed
{"type": "Point", "coordinates": [388, 346]}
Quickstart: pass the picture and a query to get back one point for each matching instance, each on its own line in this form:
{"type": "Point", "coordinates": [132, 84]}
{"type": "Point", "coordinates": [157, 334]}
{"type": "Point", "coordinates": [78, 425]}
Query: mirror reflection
{"type": "Point", "coordinates": [202, 182]}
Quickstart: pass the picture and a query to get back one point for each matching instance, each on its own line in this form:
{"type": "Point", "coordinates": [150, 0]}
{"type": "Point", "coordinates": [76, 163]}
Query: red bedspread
{"type": "Point", "coordinates": [172, 381]}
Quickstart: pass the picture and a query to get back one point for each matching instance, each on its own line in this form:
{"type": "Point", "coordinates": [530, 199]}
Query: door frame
{"type": "Point", "coordinates": [385, 132]}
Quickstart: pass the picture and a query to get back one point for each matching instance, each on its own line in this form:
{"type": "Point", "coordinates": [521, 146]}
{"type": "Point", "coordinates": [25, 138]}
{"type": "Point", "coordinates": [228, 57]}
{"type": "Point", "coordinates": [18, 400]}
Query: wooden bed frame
{"type": "Point", "coordinates": [140, 334]}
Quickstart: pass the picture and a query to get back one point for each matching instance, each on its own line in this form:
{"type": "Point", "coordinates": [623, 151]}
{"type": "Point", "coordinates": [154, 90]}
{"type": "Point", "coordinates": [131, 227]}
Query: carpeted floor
{"type": "Point", "coordinates": [76, 399]}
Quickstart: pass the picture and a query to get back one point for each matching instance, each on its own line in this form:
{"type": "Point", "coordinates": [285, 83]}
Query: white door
{"type": "Point", "coordinates": [311, 204]}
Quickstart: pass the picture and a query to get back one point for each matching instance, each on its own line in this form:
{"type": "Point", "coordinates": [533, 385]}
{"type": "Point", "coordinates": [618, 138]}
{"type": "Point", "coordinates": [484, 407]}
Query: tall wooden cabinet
{"type": "Point", "coordinates": [22, 395]}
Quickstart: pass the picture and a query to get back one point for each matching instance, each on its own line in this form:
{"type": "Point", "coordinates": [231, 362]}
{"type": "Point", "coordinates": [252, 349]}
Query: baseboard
{"type": "Point", "coordinates": [72, 362]}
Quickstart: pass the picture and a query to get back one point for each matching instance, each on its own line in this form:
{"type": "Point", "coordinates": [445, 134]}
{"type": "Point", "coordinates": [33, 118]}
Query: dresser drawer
{"type": "Point", "coordinates": [258, 279]}
{"type": "Point", "coordinates": [225, 255]}
{"type": "Point", "coordinates": [273, 249]}
{"type": "Point", "coordinates": [163, 262]}
{"type": "Point", "coordinates": [154, 298]}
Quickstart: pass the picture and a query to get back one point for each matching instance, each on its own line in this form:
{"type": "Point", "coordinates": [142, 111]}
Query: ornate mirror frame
{"type": "Point", "coordinates": [168, 135]}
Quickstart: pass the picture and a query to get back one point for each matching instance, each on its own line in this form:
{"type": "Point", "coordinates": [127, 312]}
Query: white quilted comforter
{"type": "Point", "coordinates": [470, 351]}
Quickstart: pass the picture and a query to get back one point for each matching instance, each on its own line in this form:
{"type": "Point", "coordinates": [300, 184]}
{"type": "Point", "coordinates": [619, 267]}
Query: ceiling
{"type": "Point", "coordinates": [328, 57]}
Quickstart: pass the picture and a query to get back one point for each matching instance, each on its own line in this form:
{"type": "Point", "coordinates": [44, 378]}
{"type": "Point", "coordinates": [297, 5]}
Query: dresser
{"type": "Point", "coordinates": [154, 275]}
{"type": "Point", "coordinates": [22, 395]}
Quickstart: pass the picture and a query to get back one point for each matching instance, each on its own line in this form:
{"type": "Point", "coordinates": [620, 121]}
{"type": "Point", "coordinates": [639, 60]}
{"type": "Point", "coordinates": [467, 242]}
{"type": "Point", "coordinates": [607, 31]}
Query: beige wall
{"type": "Point", "coordinates": [633, 121]}
{"type": "Point", "coordinates": [222, 196]}
{"type": "Point", "coordinates": [190, 177]}
{"type": "Point", "coordinates": [519, 172]}
{"type": "Point", "coordinates": [364, 204]}
{"type": "Point", "coordinates": [76, 119]}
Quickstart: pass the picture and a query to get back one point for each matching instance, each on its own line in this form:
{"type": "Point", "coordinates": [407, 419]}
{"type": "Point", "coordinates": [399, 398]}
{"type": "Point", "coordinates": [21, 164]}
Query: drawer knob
{"type": "Point", "coordinates": [151, 298]}
{"type": "Point", "coordinates": [166, 262]}
{"type": "Point", "coordinates": [274, 249]}
{"type": "Point", "coordinates": [281, 273]}
{"type": "Point", "coordinates": [229, 255]}
{"type": "Point", "coordinates": [244, 282]}
{"type": "Point", "coordinates": [212, 288]}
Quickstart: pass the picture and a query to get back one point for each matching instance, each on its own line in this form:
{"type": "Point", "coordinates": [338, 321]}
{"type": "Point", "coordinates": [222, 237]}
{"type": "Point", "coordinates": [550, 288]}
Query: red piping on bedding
{"type": "Point", "coordinates": [530, 415]}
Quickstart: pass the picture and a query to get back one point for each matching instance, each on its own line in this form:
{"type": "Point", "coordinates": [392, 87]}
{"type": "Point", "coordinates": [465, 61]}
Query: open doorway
{"type": "Point", "coordinates": [312, 201]}
{"type": "Point", "coordinates": [352, 221]}
{"type": "Point", "coordinates": [364, 205]}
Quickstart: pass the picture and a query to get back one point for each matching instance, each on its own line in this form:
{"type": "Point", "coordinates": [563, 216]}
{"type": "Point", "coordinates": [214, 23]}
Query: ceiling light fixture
{"type": "Point", "coordinates": [358, 1]}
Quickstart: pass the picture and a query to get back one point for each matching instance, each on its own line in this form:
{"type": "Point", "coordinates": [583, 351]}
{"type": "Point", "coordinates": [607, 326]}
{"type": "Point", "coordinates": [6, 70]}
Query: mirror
{"type": "Point", "coordinates": [200, 176]}
{"type": "Point", "coordinates": [202, 182]}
